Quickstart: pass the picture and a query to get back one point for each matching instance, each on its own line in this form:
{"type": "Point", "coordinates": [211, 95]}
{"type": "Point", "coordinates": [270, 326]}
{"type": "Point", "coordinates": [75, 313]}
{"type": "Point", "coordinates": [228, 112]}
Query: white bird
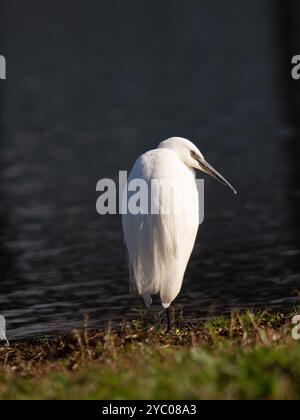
{"type": "Point", "coordinates": [159, 245]}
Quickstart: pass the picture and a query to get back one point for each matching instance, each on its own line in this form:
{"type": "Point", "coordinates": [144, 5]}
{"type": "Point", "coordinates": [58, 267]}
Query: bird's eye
{"type": "Point", "coordinates": [193, 154]}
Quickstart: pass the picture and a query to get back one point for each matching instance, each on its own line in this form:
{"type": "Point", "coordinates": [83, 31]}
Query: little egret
{"type": "Point", "coordinates": [159, 244]}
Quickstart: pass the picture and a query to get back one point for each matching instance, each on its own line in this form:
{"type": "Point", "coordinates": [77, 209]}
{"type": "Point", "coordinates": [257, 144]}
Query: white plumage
{"type": "Point", "coordinates": [159, 245]}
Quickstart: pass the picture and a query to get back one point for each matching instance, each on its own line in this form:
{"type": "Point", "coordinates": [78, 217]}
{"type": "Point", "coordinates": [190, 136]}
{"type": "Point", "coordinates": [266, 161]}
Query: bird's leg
{"type": "Point", "coordinates": [147, 317]}
{"type": "Point", "coordinates": [169, 323]}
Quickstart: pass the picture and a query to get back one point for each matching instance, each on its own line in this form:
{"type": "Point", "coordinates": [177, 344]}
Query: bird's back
{"type": "Point", "coordinates": [159, 245]}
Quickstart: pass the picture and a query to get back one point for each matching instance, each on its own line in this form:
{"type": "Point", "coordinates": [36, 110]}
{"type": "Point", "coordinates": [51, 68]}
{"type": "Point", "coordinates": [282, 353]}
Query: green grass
{"type": "Point", "coordinates": [245, 356]}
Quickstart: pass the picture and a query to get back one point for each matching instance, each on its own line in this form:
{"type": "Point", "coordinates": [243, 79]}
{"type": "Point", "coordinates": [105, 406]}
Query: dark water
{"type": "Point", "coordinates": [90, 86]}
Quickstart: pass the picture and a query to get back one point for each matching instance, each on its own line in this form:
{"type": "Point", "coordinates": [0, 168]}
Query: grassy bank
{"type": "Point", "coordinates": [249, 355]}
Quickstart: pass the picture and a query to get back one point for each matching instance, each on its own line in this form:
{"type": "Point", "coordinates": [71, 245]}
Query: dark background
{"type": "Point", "coordinates": [93, 84]}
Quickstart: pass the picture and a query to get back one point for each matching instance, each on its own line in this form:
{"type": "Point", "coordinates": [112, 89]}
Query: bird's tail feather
{"type": "Point", "coordinates": [150, 265]}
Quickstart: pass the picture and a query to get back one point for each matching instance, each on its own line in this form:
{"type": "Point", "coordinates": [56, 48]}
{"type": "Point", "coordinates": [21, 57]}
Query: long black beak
{"type": "Point", "coordinates": [208, 169]}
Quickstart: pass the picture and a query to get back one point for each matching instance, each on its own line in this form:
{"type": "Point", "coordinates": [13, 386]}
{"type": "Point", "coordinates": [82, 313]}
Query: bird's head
{"type": "Point", "coordinates": [191, 156]}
